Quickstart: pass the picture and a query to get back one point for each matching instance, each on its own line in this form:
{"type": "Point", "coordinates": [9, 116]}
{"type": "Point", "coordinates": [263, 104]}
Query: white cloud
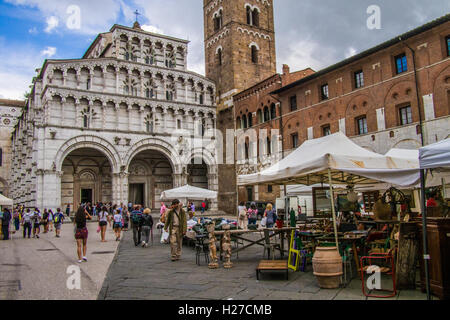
{"type": "Point", "coordinates": [52, 23]}
{"type": "Point", "coordinates": [96, 16]}
{"type": "Point", "coordinates": [33, 30]}
{"type": "Point", "coordinates": [49, 52]}
{"type": "Point", "coordinates": [152, 29]}
{"type": "Point", "coordinates": [350, 52]}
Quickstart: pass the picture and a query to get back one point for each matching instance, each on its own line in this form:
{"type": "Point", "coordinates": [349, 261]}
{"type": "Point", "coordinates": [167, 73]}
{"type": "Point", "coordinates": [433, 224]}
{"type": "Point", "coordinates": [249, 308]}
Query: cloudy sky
{"type": "Point", "coordinates": [309, 33]}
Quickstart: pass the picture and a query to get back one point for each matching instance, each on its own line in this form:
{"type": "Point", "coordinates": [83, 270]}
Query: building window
{"type": "Point", "coordinates": [244, 121]}
{"type": "Point", "coordinates": [359, 79]}
{"type": "Point", "coordinates": [294, 139]}
{"type": "Point", "coordinates": [362, 125]}
{"type": "Point", "coordinates": [219, 56]}
{"type": "Point", "coordinates": [293, 103]}
{"type": "Point", "coordinates": [324, 92]}
{"type": "Point", "coordinates": [126, 90]}
{"type": "Point", "coordinates": [269, 188]}
{"type": "Point", "coordinates": [88, 84]}
{"type": "Point", "coordinates": [178, 124]}
{"type": "Point", "coordinates": [238, 123]}
{"type": "Point", "coordinates": [201, 98]}
{"type": "Point", "coordinates": [269, 146]}
{"type": "Point", "coordinates": [405, 115]}
{"type": "Point", "coordinates": [250, 120]}
{"type": "Point", "coordinates": [401, 63]}
{"type": "Point", "coordinates": [326, 130]}
{"type": "Point", "coordinates": [85, 121]}
{"type": "Point", "coordinates": [169, 95]}
{"type": "Point", "coordinates": [254, 52]}
{"type": "Point", "coordinates": [260, 116]}
{"type": "Point", "coordinates": [249, 15]}
{"type": "Point", "coordinates": [218, 21]}
{"type": "Point", "coordinates": [255, 17]}
{"type": "Point", "coordinates": [266, 114]}
{"type": "Point", "coordinates": [447, 41]}
{"type": "Point", "coordinates": [273, 111]}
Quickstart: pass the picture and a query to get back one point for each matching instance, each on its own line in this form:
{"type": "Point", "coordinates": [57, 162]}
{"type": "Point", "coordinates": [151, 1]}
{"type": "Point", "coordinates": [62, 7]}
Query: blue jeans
{"type": "Point", "coordinates": [27, 226]}
{"type": "Point", "coordinates": [252, 220]}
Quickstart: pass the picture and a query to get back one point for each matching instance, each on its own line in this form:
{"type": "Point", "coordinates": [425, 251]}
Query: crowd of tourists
{"type": "Point", "coordinates": [120, 218]}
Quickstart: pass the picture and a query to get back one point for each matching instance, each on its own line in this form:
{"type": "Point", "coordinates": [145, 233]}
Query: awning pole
{"type": "Point", "coordinates": [333, 211]}
{"type": "Point", "coordinates": [424, 232]}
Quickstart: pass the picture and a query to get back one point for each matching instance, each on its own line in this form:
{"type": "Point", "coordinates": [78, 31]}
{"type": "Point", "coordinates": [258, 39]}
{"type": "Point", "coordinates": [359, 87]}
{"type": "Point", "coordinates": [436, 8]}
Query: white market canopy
{"type": "Point", "coordinates": [188, 192]}
{"type": "Point", "coordinates": [435, 155]}
{"type": "Point", "coordinates": [348, 162]}
{"type": "Point", "coordinates": [4, 201]}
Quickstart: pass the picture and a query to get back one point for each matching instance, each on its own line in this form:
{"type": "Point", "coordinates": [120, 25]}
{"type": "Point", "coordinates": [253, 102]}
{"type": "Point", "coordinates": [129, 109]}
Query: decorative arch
{"type": "Point", "coordinates": [92, 142]}
{"type": "Point", "coordinates": [155, 144]}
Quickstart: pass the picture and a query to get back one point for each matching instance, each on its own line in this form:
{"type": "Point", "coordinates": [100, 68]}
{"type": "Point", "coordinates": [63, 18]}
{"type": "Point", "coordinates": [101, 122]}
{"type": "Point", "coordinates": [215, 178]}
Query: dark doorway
{"type": "Point", "coordinates": [136, 193]}
{"type": "Point", "coordinates": [86, 195]}
{"type": "Point", "coordinates": [250, 194]}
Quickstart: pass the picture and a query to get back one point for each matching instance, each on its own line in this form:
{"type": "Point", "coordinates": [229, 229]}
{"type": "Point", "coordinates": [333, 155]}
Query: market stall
{"type": "Point", "coordinates": [435, 230]}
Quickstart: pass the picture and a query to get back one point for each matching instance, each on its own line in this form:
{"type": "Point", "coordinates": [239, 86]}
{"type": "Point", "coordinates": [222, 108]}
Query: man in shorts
{"type": "Point", "coordinates": [58, 221]}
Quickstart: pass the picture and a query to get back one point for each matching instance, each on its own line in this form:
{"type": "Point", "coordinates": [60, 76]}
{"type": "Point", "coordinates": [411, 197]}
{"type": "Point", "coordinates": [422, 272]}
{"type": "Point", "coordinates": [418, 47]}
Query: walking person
{"type": "Point", "coordinates": [176, 225]}
{"type": "Point", "coordinates": [81, 232]}
{"type": "Point", "coordinates": [125, 217]}
{"type": "Point", "coordinates": [27, 220]}
{"type": "Point", "coordinates": [136, 220]}
{"type": "Point", "coordinates": [44, 221]}
{"type": "Point", "coordinates": [147, 225]}
{"type": "Point", "coordinates": [103, 218]}
{"type": "Point", "coordinates": [51, 217]}
{"type": "Point", "coordinates": [163, 209]}
{"type": "Point", "coordinates": [58, 221]}
{"type": "Point", "coordinates": [6, 219]}
{"type": "Point", "coordinates": [271, 216]}
{"type": "Point", "coordinates": [252, 214]}
{"type": "Point", "coordinates": [117, 224]}
{"type": "Point", "coordinates": [68, 210]}
{"type": "Point", "coordinates": [16, 220]}
{"type": "Point", "coordinates": [203, 206]}
{"type": "Point", "coordinates": [37, 217]}
{"type": "Point", "coordinates": [243, 216]}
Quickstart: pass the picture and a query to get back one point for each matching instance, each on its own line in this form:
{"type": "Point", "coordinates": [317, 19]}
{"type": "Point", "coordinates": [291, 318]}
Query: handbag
{"type": "Point", "coordinates": [242, 215]}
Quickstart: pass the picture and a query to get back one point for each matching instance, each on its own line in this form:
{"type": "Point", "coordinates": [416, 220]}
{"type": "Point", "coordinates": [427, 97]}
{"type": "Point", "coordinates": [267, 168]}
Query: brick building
{"type": "Point", "coordinates": [256, 108]}
{"type": "Point", "coordinates": [372, 96]}
{"type": "Point", "coordinates": [239, 52]}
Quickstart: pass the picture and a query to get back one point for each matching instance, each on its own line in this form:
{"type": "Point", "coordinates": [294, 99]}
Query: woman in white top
{"type": "Point", "coordinates": [103, 219]}
{"type": "Point", "coordinates": [117, 224]}
{"type": "Point", "coordinates": [242, 216]}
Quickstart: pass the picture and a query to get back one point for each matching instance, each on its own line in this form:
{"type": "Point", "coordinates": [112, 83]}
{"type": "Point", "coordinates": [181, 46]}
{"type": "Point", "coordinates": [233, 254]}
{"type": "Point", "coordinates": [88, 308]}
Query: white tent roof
{"type": "Point", "coordinates": [309, 165]}
{"type": "Point", "coordinates": [435, 155]}
{"type": "Point", "coordinates": [188, 192]}
{"type": "Point", "coordinates": [404, 154]}
{"type": "Point", "coordinates": [4, 201]}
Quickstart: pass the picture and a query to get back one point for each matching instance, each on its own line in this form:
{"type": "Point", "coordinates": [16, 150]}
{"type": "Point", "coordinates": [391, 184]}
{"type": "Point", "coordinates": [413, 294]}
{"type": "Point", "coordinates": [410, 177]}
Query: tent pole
{"type": "Point", "coordinates": [423, 208]}
{"type": "Point", "coordinates": [333, 211]}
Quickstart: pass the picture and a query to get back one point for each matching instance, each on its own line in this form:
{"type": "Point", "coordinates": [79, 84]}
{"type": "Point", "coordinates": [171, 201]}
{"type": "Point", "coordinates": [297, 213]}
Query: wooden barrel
{"type": "Point", "coordinates": [327, 266]}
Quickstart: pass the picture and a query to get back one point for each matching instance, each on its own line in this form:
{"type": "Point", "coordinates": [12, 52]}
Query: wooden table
{"type": "Point", "coordinates": [237, 234]}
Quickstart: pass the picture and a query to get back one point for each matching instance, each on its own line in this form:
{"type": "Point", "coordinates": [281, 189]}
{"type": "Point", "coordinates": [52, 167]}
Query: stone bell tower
{"type": "Point", "coordinates": [239, 53]}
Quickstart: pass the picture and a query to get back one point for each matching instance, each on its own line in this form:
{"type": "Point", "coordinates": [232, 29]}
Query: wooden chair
{"type": "Point", "coordinates": [270, 246]}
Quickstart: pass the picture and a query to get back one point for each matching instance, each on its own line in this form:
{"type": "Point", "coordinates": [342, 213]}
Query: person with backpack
{"type": "Point", "coordinates": [271, 216]}
{"type": "Point", "coordinates": [37, 217]}
{"type": "Point", "coordinates": [27, 219]}
{"type": "Point", "coordinates": [136, 217]}
{"type": "Point", "coordinates": [58, 220]}
{"type": "Point", "coordinates": [252, 214]}
{"type": "Point", "coordinates": [44, 221]}
{"type": "Point", "coordinates": [103, 218]}
{"type": "Point", "coordinates": [147, 225]}
{"type": "Point", "coordinates": [6, 218]}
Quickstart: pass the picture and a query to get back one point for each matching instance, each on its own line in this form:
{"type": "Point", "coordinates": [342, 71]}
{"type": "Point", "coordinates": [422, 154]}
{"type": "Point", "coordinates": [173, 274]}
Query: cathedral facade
{"type": "Point", "coordinates": [123, 123]}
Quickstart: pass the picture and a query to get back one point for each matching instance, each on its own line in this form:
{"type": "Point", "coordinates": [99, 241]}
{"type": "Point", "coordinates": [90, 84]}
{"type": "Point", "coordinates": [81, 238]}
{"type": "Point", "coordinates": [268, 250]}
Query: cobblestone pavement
{"type": "Point", "coordinates": [147, 273]}
{"type": "Point", "coordinates": [32, 269]}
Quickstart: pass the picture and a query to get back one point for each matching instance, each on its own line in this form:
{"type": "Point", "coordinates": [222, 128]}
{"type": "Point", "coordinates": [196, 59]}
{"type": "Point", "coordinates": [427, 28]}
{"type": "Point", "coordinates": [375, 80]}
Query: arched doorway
{"type": "Point", "coordinates": [198, 174]}
{"type": "Point", "coordinates": [150, 173]}
{"type": "Point", "coordinates": [87, 178]}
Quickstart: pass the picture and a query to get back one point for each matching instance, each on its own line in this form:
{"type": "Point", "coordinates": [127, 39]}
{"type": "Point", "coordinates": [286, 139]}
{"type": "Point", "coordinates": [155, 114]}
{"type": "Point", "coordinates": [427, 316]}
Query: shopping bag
{"type": "Point", "coordinates": [164, 237]}
{"type": "Point", "coordinates": [264, 222]}
{"type": "Point", "coordinates": [98, 229]}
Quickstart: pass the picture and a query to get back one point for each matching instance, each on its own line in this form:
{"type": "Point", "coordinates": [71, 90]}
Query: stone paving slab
{"type": "Point", "coordinates": [148, 273]}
